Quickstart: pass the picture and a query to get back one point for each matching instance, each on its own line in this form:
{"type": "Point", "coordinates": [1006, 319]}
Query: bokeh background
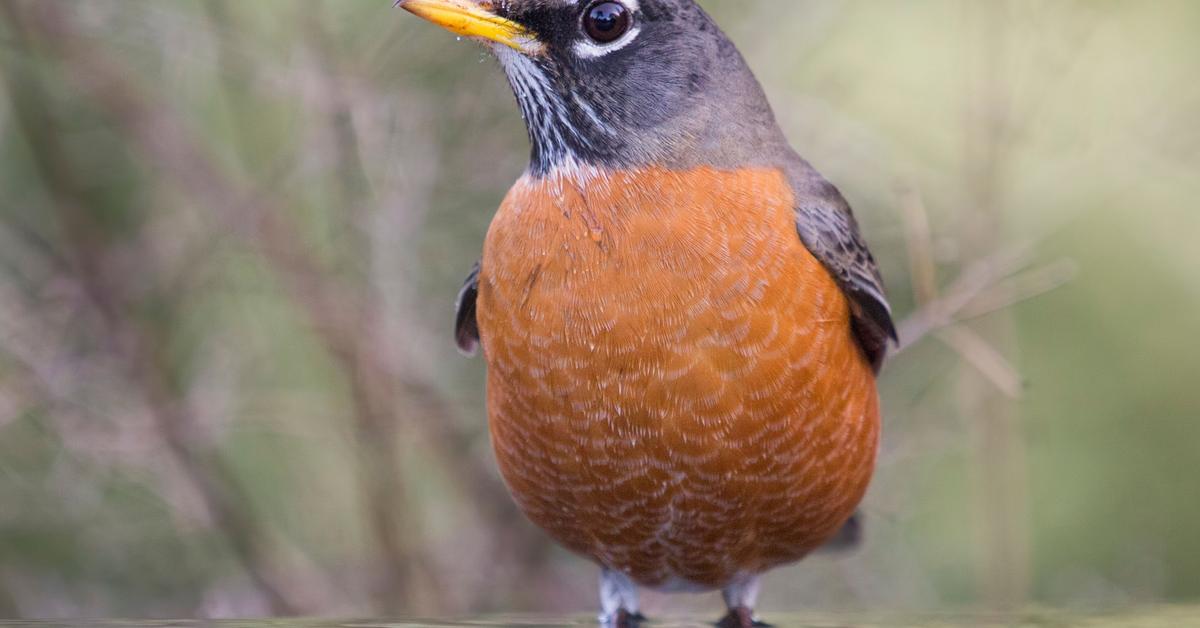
{"type": "Point", "coordinates": [231, 234]}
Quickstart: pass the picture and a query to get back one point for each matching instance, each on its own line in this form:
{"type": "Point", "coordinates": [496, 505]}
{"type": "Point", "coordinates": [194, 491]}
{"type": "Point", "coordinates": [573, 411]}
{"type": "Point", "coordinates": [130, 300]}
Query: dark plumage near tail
{"type": "Point", "coordinates": [848, 538]}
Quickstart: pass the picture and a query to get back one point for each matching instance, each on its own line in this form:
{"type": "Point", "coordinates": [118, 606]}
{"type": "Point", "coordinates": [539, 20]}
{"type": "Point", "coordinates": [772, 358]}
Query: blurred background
{"type": "Point", "coordinates": [231, 234]}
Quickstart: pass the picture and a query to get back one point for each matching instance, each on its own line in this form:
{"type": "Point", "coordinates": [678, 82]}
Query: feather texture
{"type": "Point", "coordinates": [828, 229]}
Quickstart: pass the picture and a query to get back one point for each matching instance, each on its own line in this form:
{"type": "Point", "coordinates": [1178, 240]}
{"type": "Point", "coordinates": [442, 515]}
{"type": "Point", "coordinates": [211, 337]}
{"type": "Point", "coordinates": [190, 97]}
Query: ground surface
{"type": "Point", "coordinates": [1158, 617]}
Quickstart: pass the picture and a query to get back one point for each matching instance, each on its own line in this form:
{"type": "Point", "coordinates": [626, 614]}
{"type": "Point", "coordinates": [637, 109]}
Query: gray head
{"type": "Point", "coordinates": [621, 82]}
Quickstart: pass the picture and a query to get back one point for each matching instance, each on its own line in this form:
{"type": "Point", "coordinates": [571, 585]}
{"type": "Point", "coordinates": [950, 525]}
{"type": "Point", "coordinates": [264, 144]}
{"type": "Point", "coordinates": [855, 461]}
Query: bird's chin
{"type": "Point", "coordinates": [523, 46]}
{"type": "Point", "coordinates": [506, 55]}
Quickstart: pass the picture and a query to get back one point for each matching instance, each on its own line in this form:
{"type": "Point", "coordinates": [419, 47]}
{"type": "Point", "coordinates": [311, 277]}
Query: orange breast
{"type": "Point", "coordinates": [674, 389]}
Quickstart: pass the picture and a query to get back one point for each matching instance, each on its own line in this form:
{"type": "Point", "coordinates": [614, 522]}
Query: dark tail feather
{"type": "Point", "coordinates": [848, 538]}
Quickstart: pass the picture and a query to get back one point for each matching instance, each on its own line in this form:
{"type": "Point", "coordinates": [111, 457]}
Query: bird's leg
{"type": "Point", "coordinates": [618, 601]}
{"type": "Point", "coordinates": [740, 597]}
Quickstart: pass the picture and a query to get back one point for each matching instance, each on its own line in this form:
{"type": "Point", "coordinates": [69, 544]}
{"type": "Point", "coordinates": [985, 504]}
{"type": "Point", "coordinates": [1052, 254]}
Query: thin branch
{"type": "Point", "coordinates": [985, 358]}
{"type": "Point", "coordinates": [977, 279]}
{"type": "Point", "coordinates": [919, 238]}
{"type": "Point", "coordinates": [985, 287]}
{"type": "Point", "coordinates": [1024, 287]}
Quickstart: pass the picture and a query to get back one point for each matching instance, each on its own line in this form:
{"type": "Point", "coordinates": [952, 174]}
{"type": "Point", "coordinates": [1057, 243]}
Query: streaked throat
{"type": "Point", "coordinates": [565, 130]}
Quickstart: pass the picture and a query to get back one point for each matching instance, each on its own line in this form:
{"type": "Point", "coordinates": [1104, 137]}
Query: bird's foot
{"type": "Point", "coordinates": [619, 599]}
{"type": "Point", "coordinates": [741, 617]}
{"type": "Point", "coordinates": [741, 596]}
{"type": "Point", "coordinates": [622, 619]}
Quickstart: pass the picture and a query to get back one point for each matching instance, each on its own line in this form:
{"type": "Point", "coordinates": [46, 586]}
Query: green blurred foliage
{"type": "Point", "coordinates": [148, 327]}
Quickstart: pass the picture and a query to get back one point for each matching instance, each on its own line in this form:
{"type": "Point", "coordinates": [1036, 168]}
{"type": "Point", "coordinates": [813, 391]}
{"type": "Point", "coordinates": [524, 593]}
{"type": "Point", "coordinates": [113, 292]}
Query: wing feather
{"type": "Point", "coordinates": [466, 329]}
{"type": "Point", "coordinates": [827, 227]}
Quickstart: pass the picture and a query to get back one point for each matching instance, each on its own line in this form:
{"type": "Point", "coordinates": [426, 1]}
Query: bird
{"type": "Point", "coordinates": [681, 322]}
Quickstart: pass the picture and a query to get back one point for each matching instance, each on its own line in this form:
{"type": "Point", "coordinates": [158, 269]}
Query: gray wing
{"type": "Point", "coordinates": [466, 329]}
{"type": "Point", "coordinates": [828, 228]}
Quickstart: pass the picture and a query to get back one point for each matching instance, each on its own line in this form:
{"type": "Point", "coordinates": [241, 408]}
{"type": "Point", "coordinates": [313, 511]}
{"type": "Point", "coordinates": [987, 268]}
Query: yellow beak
{"type": "Point", "coordinates": [469, 18]}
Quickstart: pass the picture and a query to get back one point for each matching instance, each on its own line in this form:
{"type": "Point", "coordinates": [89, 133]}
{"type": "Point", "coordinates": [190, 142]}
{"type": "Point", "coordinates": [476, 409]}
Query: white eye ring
{"type": "Point", "coordinates": [588, 49]}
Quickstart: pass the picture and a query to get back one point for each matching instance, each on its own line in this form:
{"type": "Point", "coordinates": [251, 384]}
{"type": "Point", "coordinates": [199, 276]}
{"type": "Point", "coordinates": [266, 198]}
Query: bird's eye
{"type": "Point", "coordinates": [605, 22]}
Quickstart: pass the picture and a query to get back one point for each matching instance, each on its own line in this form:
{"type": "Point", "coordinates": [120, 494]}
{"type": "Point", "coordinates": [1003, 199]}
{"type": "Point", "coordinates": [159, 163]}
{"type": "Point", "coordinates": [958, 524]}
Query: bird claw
{"type": "Point", "coordinates": [623, 619]}
{"type": "Point", "coordinates": [741, 617]}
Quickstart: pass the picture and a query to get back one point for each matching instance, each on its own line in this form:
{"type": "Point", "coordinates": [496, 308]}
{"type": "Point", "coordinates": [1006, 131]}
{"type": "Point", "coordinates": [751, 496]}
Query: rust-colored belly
{"type": "Point", "coordinates": [674, 389]}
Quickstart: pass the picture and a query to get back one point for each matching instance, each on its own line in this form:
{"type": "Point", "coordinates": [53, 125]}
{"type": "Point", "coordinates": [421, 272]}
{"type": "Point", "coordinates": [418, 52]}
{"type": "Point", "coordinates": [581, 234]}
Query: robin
{"type": "Point", "coordinates": [681, 322]}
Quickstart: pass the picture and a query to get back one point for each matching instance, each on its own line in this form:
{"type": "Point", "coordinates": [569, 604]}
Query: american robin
{"type": "Point", "coordinates": [681, 321]}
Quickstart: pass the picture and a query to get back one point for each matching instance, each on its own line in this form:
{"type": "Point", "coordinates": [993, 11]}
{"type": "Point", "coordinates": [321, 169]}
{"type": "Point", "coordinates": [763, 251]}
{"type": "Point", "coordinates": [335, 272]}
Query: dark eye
{"type": "Point", "coordinates": [605, 22]}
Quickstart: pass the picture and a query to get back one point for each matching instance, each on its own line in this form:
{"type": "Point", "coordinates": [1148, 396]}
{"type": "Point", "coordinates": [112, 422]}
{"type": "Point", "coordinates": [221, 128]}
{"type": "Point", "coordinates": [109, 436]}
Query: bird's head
{"type": "Point", "coordinates": [620, 83]}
